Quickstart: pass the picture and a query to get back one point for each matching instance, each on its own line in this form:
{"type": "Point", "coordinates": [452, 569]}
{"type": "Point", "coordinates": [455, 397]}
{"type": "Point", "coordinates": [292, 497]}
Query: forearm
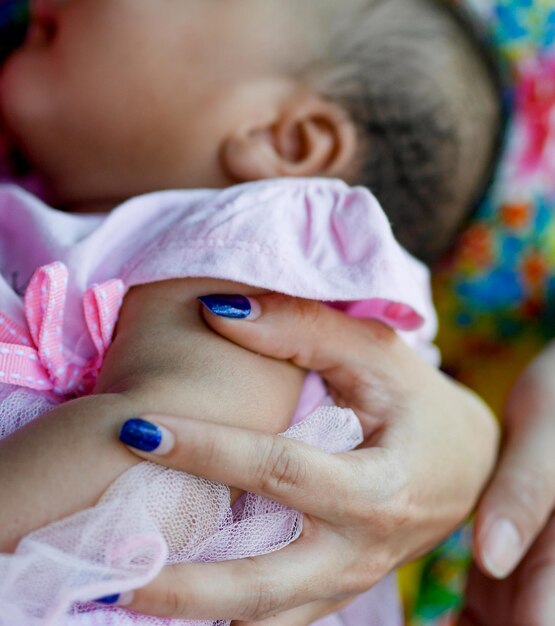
{"type": "Point", "coordinates": [61, 463]}
{"type": "Point", "coordinates": [163, 360]}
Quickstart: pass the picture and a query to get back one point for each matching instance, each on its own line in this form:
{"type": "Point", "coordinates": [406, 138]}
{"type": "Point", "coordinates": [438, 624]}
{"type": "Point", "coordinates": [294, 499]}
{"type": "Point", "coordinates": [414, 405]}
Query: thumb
{"type": "Point", "coordinates": [520, 499]}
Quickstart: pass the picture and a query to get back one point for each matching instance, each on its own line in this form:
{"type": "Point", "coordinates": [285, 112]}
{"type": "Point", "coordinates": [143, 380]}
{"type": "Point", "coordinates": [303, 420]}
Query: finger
{"type": "Point", "coordinates": [535, 597]}
{"type": "Point", "coordinates": [248, 589]}
{"type": "Point", "coordinates": [303, 615]}
{"type": "Point", "coordinates": [365, 363]}
{"type": "Point", "coordinates": [293, 329]}
{"type": "Point", "coordinates": [287, 471]}
{"type": "Point", "coordinates": [488, 602]}
{"type": "Point", "coordinates": [524, 599]}
{"type": "Point", "coordinates": [467, 618]}
{"type": "Point", "coordinates": [520, 499]}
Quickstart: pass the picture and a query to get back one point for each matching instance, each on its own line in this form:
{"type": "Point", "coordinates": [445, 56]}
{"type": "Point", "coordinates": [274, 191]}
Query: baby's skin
{"type": "Point", "coordinates": [163, 359]}
{"type": "Point", "coordinates": [190, 94]}
{"type": "Point", "coordinates": [96, 147]}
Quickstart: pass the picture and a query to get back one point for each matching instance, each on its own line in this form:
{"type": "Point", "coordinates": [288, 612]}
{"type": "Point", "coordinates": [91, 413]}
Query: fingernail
{"type": "Point", "coordinates": [109, 599]}
{"type": "Point", "coordinates": [230, 306]}
{"type": "Point", "coordinates": [502, 548]}
{"type": "Point", "coordinates": [118, 599]}
{"type": "Point", "coordinates": [146, 436]}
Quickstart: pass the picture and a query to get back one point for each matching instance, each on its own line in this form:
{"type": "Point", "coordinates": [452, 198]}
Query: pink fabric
{"type": "Point", "coordinates": [150, 516]}
{"type": "Point", "coordinates": [35, 356]}
{"type": "Point", "coordinates": [310, 238]}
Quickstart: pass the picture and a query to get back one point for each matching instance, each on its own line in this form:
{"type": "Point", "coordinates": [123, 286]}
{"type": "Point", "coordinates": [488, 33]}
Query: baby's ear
{"type": "Point", "coordinates": [306, 136]}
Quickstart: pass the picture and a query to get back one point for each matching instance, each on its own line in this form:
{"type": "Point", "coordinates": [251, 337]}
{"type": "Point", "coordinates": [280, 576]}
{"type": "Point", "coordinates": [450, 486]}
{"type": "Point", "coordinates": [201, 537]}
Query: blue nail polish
{"type": "Point", "coordinates": [109, 599]}
{"type": "Point", "coordinates": [140, 434]}
{"type": "Point", "coordinates": [233, 307]}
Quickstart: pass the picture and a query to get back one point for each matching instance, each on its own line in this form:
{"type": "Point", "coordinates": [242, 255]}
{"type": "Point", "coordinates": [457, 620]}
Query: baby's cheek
{"type": "Point", "coordinates": [57, 126]}
{"type": "Point", "coordinates": [27, 102]}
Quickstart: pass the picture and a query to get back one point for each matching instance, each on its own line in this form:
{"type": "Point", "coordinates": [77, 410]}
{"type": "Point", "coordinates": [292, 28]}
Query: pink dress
{"type": "Point", "coordinates": [62, 281]}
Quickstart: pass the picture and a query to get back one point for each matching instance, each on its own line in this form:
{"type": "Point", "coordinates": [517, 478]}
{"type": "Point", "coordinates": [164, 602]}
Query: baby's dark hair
{"type": "Point", "coordinates": [426, 100]}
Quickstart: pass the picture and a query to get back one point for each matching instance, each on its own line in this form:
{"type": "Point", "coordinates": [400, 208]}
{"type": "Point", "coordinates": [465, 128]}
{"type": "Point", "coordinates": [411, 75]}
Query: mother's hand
{"type": "Point", "coordinates": [515, 524]}
{"type": "Point", "coordinates": [430, 446]}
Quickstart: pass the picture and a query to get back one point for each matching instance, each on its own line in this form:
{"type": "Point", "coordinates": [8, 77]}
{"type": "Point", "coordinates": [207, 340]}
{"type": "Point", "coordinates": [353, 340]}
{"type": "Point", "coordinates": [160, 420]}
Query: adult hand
{"type": "Point", "coordinates": [430, 446]}
{"type": "Point", "coordinates": [516, 513]}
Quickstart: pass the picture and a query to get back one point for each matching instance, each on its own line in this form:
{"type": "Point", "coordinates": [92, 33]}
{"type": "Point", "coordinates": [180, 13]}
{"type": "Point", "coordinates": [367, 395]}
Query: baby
{"type": "Point", "coordinates": [110, 100]}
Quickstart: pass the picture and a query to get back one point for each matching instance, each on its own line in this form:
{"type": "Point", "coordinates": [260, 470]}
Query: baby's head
{"type": "Point", "coordinates": [113, 98]}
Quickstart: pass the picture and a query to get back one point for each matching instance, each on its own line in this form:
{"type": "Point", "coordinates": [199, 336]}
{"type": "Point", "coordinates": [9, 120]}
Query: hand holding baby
{"type": "Point", "coordinates": [391, 500]}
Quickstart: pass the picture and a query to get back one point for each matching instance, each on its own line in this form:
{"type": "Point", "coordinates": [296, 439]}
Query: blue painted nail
{"type": "Point", "coordinates": [233, 307]}
{"type": "Point", "coordinates": [109, 599]}
{"type": "Point", "coordinates": [140, 434]}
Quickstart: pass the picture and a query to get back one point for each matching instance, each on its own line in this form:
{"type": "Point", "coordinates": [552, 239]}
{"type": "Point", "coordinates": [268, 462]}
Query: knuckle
{"type": "Point", "coordinates": [175, 598]}
{"type": "Point", "coordinates": [263, 602]}
{"type": "Point", "coordinates": [309, 315]}
{"type": "Point", "coordinates": [366, 572]}
{"type": "Point", "coordinates": [381, 333]}
{"type": "Point", "coordinates": [303, 317]}
{"type": "Point", "coordinates": [530, 495]}
{"type": "Point", "coordinates": [201, 450]}
{"type": "Point", "coordinates": [362, 509]}
{"type": "Point", "coordinates": [308, 312]}
{"type": "Point", "coordinates": [174, 603]}
{"type": "Point", "coordinates": [385, 502]}
{"type": "Point", "coordinates": [282, 468]}
{"type": "Point", "coordinates": [388, 519]}
{"type": "Point", "coordinates": [349, 505]}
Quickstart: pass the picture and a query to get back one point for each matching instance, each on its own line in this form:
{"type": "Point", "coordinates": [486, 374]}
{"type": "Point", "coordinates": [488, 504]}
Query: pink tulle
{"type": "Point", "coordinates": [149, 517]}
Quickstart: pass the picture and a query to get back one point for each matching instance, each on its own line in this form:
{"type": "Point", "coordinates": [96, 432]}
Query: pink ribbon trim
{"type": "Point", "coordinates": [35, 357]}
